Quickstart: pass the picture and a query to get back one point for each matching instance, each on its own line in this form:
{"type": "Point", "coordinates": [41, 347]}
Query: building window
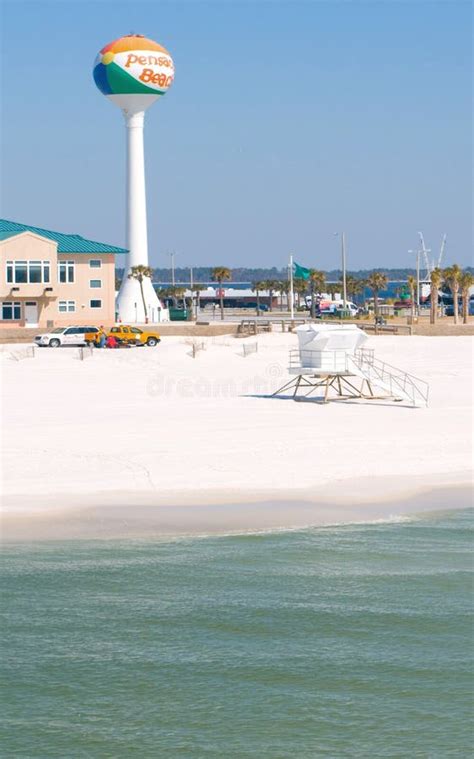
{"type": "Point", "coordinates": [34, 271]}
{"type": "Point", "coordinates": [66, 306]}
{"type": "Point", "coordinates": [95, 283]}
{"type": "Point", "coordinates": [11, 311]}
{"type": "Point", "coordinates": [96, 304]}
{"type": "Point", "coordinates": [95, 263]}
{"type": "Point", "coordinates": [28, 272]}
{"type": "Point", "coordinates": [66, 271]}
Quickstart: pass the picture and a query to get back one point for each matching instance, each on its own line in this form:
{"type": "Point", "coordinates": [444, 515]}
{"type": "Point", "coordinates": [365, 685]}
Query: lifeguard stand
{"type": "Point", "coordinates": [333, 360]}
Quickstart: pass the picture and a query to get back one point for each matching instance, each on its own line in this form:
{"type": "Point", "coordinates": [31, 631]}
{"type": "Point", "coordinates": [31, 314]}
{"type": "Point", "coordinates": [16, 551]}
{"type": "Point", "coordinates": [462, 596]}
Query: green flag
{"type": "Point", "coordinates": [299, 272]}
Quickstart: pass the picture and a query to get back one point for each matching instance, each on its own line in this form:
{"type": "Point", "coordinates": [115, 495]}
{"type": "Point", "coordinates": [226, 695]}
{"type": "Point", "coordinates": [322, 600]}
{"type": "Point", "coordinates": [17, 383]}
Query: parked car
{"type": "Point", "coordinates": [67, 336]}
{"type": "Point", "coordinates": [131, 335]}
{"type": "Point", "coordinates": [337, 309]}
{"type": "Point", "coordinates": [449, 310]}
{"type": "Point", "coordinates": [261, 307]}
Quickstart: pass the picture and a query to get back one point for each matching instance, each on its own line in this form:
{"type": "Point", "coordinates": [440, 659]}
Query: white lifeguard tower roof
{"type": "Point", "coordinates": [330, 337]}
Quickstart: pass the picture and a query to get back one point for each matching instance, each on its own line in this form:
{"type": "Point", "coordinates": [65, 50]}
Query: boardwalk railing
{"type": "Point", "coordinates": [253, 326]}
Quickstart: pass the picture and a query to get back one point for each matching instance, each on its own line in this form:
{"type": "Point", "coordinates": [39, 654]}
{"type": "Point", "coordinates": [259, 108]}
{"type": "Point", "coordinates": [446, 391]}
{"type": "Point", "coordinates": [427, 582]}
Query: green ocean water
{"type": "Point", "coordinates": [351, 641]}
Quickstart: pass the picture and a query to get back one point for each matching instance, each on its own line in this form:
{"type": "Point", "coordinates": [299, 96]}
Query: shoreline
{"type": "Point", "coordinates": [134, 516]}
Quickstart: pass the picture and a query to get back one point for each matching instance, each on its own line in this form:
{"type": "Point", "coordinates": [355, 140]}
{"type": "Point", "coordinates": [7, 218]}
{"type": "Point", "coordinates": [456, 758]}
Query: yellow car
{"type": "Point", "coordinates": [126, 334]}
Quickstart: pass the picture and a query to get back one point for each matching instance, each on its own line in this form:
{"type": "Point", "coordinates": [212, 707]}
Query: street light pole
{"type": "Point", "coordinates": [344, 279]}
{"type": "Point", "coordinates": [417, 253]}
{"type": "Point", "coordinates": [418, 283]}
{"type": "Point", "coordinates": [344, 285]}
{"type": "Point", "coordinates": [292, 290]}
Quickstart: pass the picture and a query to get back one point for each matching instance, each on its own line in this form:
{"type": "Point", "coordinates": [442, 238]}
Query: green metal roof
{"type": "Point", "coordinates": [66, 243]}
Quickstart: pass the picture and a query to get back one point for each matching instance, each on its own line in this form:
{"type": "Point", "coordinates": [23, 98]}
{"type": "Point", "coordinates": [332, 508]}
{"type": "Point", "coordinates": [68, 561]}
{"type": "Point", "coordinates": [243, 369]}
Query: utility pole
{"type": "Point", "coordinates": [173, 281]}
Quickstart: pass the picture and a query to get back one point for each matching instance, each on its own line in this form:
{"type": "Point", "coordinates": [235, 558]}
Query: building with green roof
{"type": "Point", "coordinates": [50, 279]}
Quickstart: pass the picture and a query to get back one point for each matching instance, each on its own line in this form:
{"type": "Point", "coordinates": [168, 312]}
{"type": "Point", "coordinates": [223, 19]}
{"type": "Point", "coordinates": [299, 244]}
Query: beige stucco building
{"type": "Point", "coordinates": [49, 279]}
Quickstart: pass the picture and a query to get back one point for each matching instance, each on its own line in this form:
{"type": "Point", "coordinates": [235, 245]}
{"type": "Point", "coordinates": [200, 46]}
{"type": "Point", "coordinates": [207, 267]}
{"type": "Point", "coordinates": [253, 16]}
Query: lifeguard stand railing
{"type": "Point", "coordinates": [397, 380]}
{"type": "Point", "coordinates": [332, 370]}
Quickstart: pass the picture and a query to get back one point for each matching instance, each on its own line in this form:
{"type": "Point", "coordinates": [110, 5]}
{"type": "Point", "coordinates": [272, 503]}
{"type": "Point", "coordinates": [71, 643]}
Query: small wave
{"type": "Point", "coordinates": [283, 529]}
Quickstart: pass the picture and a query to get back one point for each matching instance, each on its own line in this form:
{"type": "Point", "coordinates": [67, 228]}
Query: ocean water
{"type": "Point", "coordinates": [351, 641]}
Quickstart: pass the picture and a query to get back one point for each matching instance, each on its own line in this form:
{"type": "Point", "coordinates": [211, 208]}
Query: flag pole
{"type": "Point", "coordinates": [292, 297]}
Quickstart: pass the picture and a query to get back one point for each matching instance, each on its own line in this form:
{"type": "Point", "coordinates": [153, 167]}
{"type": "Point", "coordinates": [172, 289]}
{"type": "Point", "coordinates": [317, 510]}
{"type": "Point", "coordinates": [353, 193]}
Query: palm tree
{"type": "Point", "coordinates": [317, 282]}
{"type": "Point", "coordinates": [179, 292]}
{"type": "Point", "coordinates": [138, 273]}
{"type": "Point", "coordinates": [170, 294]}
{"type": "Point", "coordinates": [376, 282]}
{"type": "Point", "coordinates": [452, 276]}
{"type": "Point", "coordinates": [466, 281]}
{"type": "Point", "coordinates": [197, 289]}
{"type": "Point", "coordinates": [257, 287]}
{"type": "Point", "coordinates": [333, 288]}
{"type": "Point", "coordinates": [436, 279]}
{"type": "Point", "coordinates": [354, 286]}
{"type": "Point", "coordinates": [271, 285]}
{"type": "Point", "coordinates": [411, 282]}
{"type": "Point", "coordinates": [219, 274]}
{"type": "Point", "coordinates": [299, 287]}
{"type": "Point", "coordinates": [285, 289]}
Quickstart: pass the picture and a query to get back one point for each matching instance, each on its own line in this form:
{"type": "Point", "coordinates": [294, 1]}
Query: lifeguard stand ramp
{"type": "Point", "coordinates": [332, 360]}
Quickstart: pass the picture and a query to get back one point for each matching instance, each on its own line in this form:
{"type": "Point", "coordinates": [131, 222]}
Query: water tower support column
{"type": "Point", "coordinates": [137, 239]}
{"type": "Point", "coordinates": [130, 301]}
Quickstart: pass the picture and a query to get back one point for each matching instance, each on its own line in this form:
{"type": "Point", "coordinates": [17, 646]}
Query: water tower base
{"type": "Point", "coordinates": [130, 303]}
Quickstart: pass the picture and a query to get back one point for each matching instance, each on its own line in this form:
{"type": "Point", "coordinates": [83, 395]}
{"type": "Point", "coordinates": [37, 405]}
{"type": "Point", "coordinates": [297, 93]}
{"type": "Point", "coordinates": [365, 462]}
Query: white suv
{"type": "Point", "coordinates": [64, 336]}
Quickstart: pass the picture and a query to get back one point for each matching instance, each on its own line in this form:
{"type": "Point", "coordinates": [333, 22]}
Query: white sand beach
{"type": "Point", "coordinates": [153, 439]}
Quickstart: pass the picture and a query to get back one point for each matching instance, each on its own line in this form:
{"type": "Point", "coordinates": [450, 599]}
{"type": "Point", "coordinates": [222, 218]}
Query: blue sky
{"type": "Point", "coordinates": [287, 121]}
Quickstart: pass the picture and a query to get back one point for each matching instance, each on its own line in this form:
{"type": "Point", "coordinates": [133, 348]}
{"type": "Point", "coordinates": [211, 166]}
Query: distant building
{"type": "Point", "coordinates": [49, 279]}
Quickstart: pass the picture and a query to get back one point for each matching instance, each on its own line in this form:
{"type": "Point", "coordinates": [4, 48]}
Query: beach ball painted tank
{"type": "Point", "coordinates": [133, 65]}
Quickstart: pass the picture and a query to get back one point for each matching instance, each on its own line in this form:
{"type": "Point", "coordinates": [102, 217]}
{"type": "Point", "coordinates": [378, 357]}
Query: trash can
{"type": "Point", "coordinates": [178, 314]}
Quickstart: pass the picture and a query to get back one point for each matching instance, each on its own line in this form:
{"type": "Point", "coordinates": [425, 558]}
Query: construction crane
{"type": "Point", "coordinates": [425, 252]}
{"type": "Point", "coordinates": [430, 265]}
{"type": "Point", "coordinates": [441, 251]}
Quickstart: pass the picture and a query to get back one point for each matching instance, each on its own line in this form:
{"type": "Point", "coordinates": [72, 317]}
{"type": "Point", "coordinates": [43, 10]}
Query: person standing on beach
{"type": "Point", "coordinates": [102, 337]}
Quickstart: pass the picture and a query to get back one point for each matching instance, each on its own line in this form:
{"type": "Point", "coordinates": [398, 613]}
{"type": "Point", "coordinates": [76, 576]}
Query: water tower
{"type": "Point", "coordinates": [133, 72]}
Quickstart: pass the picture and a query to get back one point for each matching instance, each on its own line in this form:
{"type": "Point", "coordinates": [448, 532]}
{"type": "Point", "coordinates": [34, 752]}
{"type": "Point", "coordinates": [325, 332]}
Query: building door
{"type": "Point", "coordinates": [31, 314]}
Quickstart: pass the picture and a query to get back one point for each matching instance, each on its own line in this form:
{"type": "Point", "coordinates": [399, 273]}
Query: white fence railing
{"type": "Point", "coordinates": [87, 351]}
{"type": "Point", "coordinates": [21, 353]}
{"type": "Point", "coordinates": [249, 348]}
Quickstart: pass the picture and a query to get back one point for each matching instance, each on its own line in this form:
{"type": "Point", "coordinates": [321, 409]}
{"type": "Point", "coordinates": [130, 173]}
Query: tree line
{"type": "Point", "coordinates": [246, 274]}
{"type": "Point", "coordinates": [453, 277]}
